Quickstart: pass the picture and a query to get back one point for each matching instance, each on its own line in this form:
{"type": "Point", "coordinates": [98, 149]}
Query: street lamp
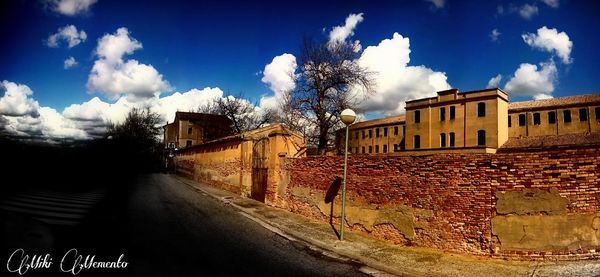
{"type": "Point", "coordinates": [347, 116]}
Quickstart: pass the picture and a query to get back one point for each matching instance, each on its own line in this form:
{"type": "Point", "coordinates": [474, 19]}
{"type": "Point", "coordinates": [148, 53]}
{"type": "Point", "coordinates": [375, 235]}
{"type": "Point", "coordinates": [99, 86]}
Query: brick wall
{"type": "Point", "coordinates": [448, 201]}
{"type": "Point", "coordinates": [219, 165]}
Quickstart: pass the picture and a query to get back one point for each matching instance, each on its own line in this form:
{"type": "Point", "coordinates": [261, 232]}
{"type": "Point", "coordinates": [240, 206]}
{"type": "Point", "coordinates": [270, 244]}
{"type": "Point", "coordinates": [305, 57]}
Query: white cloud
{"type": "Point", "coordinates": [16, 100]}
{"type": "Point", "coordinates": [395, 80]}
{"type": "Point", "coordinates": [531, 81]}
{"type": "Point", "coordinates": [69, 34]}
{"type": "Point", "coordinates": [494, 81]}
{"type": "Point", "coordinates": [114, 77]}
{"type": "Point", "coordinates": [70, 7]}
{"type": "Point", "coordinates": [438, 4]}
{"type": "Point", "coordinates": [55, 125]}
{"type": "Point", "coordinates": [552, 3]}
{"type": "Point", "coordinates": [279, 76]}
{"type": "Point", "coordinates": [69, 62]}
{"type": "Point", "coordinates": [527, 11]}
{"type": "Point", "coordinates": [551, 40]}
{"type": "Point", "coordinates": [93, 115]}
{"type": "Point", "coordinates": [495, 34]}
{"type": "Point", "coordinates": [113, 47]}
{"type": "Point", "coordinates": [22, 116]}
{"type": "Point", "coordinates": [341, 33]}
{"type": "Point", "coordinates": [187, 101]}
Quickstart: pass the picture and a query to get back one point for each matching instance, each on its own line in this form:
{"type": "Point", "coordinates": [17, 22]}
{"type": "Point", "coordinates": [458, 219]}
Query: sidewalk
{"type": "Point", "coordinates": [384, 257]}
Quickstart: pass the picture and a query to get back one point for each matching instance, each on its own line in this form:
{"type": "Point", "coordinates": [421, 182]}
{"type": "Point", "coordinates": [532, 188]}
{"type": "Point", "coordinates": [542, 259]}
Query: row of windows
{"type": "Point", "coordinates": [377, 132]}
{"type": "Point", "coordinates": [451, 137]}
{"type": "Point", "coordinates": [370, 148]}
{"type": "Point", "coordinates": [480, 112]}
{"type": "Point", "coordinates": [583, 116]}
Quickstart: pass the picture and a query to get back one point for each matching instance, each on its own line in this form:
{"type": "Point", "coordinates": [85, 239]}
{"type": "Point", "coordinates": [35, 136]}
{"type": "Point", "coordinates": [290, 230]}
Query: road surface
{"type": "Point", "coordinates": [163, 228]}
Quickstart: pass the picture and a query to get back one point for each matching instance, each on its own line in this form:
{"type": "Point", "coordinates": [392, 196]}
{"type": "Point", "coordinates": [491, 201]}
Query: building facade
{"type": "Point", "coordinates": [557, 116]}
{"type": "Point", "coordinates": [377, 136]}
{"type": "Point", "coordinates": [476, 121]}
{"type": "Point", "coordinates": [189, 129]}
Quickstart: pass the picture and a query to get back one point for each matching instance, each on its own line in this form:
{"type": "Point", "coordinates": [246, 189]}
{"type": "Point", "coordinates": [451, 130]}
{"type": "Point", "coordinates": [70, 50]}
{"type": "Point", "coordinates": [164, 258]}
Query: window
{"type": "Point", "coordinates": [370, 133]}
{"type": "Point", "coordinates": [551, 117]}
{"type": "Point", "coordinates": [583, 115]}
{"type": "Point", "coordinates": [376, 132]}
{"type": "Point", "coordinates": [442, 113]}
{"type": "Point", "coordinates": [363, 135]}
{"type": "Point", "coordinates": [395, 130]}
{"type": "Point", "coordinates": [509, 121]}
{"type": "Point", "coordinates": [385, 132]}
{"type": "Point", "coordinates": [355, 150]}
{"type": "Point", "coordinates": [417, 116]}
{"type": "Point", "coordinates": [189, 130]}
{"type": "Point", "coordinates": [481, 137]}
{"type": "Point", "coordinates": [417, 142]}
{"type": "Point", "coordinates": [522, 120]}
{"type": "Point", "coordinates": [363, 149]}
{"type": "Point", "coordinates": [442, 140]}
{"type": "Point", "coordinates": [452, 112]}
{"type": "Point", "coordinates": [597, 110]}
{"type": "Point", "coordinates": [395, 147]}
{"type": "Point", "coordinates": [376, 148]}
{"type": "Point", "coordinates": [567, 116]}
{"type": "Point", "coordinates": [480, 109]}
{"type": "Point", "coordinates": [385, 148]}
{"type": "Point", "coordinates": [370, 149]}
{"type": "Point", "coordinates": [355, 135]}
{"type": "Point", "coordinates": [536, 119]}
{"type": "Point", "coordinates": [188, 143]}
{"type": "Point", "coordinates": [451, 139]}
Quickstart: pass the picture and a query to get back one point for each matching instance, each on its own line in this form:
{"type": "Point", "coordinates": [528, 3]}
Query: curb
{"type": "Point", "coordinates": [370, 266]}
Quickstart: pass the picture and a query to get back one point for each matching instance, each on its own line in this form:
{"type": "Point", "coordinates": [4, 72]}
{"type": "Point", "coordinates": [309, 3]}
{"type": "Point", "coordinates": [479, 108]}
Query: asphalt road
{"type": "Point", "coordinates": [164, 228]}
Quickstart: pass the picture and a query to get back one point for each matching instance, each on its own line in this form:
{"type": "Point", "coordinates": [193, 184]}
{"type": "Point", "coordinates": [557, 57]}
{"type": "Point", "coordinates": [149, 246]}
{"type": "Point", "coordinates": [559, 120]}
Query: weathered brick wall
{"type": "Point", "coordinates": [557, 211]}
{"type": "Point", "coordinates": [448, 201]}
{"type": "Point", "coordinates": [575, 173]}
{"type": "Point", "coordinates": [219, 165]}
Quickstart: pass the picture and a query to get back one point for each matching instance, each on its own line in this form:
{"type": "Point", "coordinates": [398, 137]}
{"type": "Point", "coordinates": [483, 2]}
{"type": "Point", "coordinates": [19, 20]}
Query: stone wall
{"type": "Point", "coordinates": [515, 205]}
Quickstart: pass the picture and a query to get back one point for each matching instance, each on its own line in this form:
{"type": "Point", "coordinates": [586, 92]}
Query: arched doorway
{"type": "Point", "coordinates": [260, 169]}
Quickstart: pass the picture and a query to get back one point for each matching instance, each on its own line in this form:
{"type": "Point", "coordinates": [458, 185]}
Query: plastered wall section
{"type": "Point", "coordinates": [224, 165]}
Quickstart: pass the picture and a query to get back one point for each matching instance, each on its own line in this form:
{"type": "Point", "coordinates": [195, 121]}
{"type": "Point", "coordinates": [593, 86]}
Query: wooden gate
{"type": "Point", "coordinates": [260, 169]}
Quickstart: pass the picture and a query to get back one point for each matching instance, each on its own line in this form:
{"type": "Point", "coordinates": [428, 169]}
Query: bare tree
{"type": "Point", "coordinates": [136, 140]}
{"type": "Point", "coordinates": [329, 73]}
{"type": "Point", "coordinates": [243, 114]}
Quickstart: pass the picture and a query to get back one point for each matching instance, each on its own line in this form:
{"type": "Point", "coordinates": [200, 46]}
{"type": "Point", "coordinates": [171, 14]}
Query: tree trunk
{"type": "Point", "coordinates": [322, 146]}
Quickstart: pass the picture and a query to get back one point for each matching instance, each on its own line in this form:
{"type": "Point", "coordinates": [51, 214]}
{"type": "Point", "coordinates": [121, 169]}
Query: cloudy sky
{"type": "Point", "coordinates": [68, 67]}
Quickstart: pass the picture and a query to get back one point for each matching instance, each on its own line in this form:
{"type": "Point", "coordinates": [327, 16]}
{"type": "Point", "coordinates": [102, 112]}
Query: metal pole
{"type": "Point", "coordinates": [344, 186]}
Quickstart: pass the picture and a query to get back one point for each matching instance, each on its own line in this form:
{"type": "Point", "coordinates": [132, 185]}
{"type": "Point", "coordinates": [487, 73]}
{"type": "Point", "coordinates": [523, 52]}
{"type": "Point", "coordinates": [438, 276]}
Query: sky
{"type": "Point", "coordinates": [68, 67]}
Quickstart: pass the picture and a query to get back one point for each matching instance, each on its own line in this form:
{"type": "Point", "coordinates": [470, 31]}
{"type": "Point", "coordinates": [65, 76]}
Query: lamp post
{"type": "Point", "coordinates": [347, 116]}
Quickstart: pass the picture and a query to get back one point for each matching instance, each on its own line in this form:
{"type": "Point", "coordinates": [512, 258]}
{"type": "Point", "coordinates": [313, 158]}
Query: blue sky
{"type": "Point", "coordinates": [227, 44]}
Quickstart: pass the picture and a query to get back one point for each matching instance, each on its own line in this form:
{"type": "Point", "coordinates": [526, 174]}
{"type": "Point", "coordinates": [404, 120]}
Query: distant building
{"type": "Point", "coordinates": [189, 129]}
{"type": "Point", "coordinates": [476, 121]}
{"type": "Point", "coordinates": [377, 136]}
{"type": "Point", "coordinates": [557, 116]}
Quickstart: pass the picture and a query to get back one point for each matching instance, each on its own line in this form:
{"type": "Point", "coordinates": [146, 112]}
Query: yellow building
{"type": "Point", "coordinates": [475, 121]}
{"type": "Point", "coordinates": [190, 129]}
{"type": "Point", "coordinates": [382, 135]}
{"type": "Point", "coordinates": [557, 116]}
